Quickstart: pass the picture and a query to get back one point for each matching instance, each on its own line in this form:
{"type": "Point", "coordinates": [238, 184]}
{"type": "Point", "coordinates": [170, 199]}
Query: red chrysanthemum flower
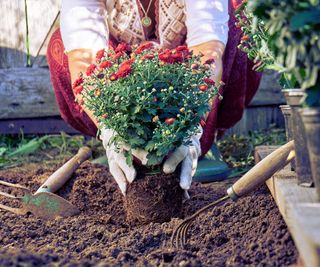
{"type": "Point", "coordinates": [77, 82]}
{"type": "Point", "coordinates": [105, 64]}
{"type": "Point", "coordinates": [203, 87]}
{"type": "Point", "coordinates": [178, 57]}
{"type": "Point", "coordinates": [209, 81]}
{"type": "Point", "coordinates": [166, 57]}
{"type": "Point", "coordinates": [245, 38]}
{"type": "Point", "coordinates": [124, 70]}
{"type": "Point", "coordinates": [209, 61]}
{"type": "Point", "coordinates": [170, 121]}
{"type": "Point", "coordinates": [194, 66]}
{"type": "Point", "coordinates": [182, 48]}
{"type": "Point", "coordinates": [117, 55]}
{"type": "Point", "coordinates": [113, 77]}
{"type": "Point", "coordinates": [128, 61]}
{"type": "Point", "coordinates": [143, 47]}
{"type": "Point", "coordinates": [148, 56]}
{"type": "Point", "coordinates": [78, 89]}
{"type": "Point", "coordinates": [91, 69]}
{"type": "Point", "coordinates": [100, 54]}
{"type": "Point", "coordinates": [123, 47]}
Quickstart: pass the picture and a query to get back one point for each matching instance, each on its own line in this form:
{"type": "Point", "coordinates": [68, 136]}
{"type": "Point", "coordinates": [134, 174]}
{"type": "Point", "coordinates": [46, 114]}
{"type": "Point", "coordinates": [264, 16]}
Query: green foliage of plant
{"type": "Point", "coordinates": [255, 40]}
{"type": "Point", "coordinates": [19, 149]}
{"type": "Point", "coordinates": [153, 99]}
{"type": "Point", "coordinates": [291, 32]}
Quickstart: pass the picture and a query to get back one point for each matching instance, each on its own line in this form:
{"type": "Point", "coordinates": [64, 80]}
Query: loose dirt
{"type": "Point", "coordinates": [249, 232]}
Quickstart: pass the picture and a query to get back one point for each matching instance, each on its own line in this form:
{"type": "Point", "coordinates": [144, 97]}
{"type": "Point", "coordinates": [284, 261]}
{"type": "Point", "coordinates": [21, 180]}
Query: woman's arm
{"type": "Point", "coordinates": [207, 20]}
{"type": "Point", "coordinates": [207, 24]}
{"type": "Point", "coordinates": [84, 32]}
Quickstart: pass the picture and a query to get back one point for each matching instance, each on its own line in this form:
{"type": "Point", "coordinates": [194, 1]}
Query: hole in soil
{"type": "Point", "coordinates": [168, 257]}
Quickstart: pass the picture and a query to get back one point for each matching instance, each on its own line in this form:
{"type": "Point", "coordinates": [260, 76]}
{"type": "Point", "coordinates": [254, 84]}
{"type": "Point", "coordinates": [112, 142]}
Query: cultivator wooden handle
{"type": "Point", "coordinates": [60, 176]}
{"type": "Point", "coordinates": [262, 171]}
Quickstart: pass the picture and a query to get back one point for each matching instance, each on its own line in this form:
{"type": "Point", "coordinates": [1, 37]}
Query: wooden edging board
{"type": "Point", "coordinates": [299, 207]}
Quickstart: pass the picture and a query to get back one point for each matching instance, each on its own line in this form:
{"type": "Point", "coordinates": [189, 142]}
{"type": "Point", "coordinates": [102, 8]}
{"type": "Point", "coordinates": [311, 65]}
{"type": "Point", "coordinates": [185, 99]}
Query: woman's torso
{"type": "Point", "coordinates": [168, 21]}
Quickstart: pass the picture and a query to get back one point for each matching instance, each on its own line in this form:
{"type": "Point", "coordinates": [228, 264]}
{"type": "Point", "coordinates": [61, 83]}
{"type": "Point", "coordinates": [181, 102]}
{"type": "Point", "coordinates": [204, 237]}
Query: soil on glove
{"type": "Point", "coordinates": [153, 197]}
{"type": "Point", "coordinates": [249, 232]}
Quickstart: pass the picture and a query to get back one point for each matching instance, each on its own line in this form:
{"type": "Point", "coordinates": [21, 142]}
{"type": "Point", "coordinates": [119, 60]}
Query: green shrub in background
{"type": "Point", "coordinates": [290, 33]}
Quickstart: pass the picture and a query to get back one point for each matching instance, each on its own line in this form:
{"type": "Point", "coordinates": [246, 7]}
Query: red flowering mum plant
{"type": "Point", "coordinates": [153, 98]}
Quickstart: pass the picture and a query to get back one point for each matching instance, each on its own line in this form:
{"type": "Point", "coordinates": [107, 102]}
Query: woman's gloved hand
{"type": "Point", "coordinates": [188, 155]}
{"type": "Point", "coordinates": [125, 174]}
{"type": "Point", "coordinates": [211, 50]}
{"type": "Point", "coordinates": [118, 167]}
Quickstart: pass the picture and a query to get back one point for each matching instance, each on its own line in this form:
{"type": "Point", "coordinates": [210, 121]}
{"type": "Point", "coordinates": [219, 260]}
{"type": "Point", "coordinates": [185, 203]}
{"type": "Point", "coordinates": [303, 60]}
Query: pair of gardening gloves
{"type": "Point", "coordinates": [187, 155]}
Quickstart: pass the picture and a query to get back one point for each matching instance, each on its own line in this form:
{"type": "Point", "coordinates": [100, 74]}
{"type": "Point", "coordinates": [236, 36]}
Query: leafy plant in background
{"type": "Point", "coordinates": [255, 40]}
{"type": "Point", "coordinates": [16, 150]}
{"type": "Point", "coordinates": [238, 149]}
{"type": "Point", "coordinates": [294, 41]}
{"type": "Point", "coordinates": [153, 98]}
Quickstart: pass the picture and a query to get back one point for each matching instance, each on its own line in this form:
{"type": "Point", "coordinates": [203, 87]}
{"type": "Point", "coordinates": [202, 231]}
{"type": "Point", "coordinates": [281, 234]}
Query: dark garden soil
{"type": "Point", "coordinates": [249, 232]}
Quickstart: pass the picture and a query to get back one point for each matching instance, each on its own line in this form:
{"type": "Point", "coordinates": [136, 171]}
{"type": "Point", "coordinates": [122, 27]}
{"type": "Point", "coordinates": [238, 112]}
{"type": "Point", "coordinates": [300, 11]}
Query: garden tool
{"type": "Point", "coordinates": [246, 184]}
{"type": "Point", "coordinates": [44, 203]}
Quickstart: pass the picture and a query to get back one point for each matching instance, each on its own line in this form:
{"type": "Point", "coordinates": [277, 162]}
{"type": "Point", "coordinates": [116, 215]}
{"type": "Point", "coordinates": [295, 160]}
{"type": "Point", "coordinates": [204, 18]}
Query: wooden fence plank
{"type": "Point", "coordinates": [258, 118]}
{"type": "Point", "coordinates": [13, 29]}
{"type": "Point", "coordinates": [41, 16]}
{"type": "Point", "coordinates": [12, 34]}
{"type": "Point", "coordinates": [48, 125]}
{"type": "Point", "coordinates": [269, 92]}
{"type": "Point", "coordinates": [26, 93]}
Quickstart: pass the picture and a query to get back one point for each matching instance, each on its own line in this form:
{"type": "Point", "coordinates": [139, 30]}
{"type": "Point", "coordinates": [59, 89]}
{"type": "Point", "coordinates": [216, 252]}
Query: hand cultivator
{"type": "Point", "coordinates": [44, 203]}
{"type": "Point", "coordinates": [246, 184]}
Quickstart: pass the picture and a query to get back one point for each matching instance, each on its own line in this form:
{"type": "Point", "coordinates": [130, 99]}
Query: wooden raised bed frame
{"type": "Point", "coordinates": [299, 207]}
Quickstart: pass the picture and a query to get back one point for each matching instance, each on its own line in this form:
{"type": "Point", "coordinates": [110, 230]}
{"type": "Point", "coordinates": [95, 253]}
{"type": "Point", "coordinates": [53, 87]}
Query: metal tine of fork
{"type": "Point", "coordinates": [179, 235]}
{"type": "Point", "coordinates": [14, 185]}
{"type": "Point", "coordinates": [9, 195]}
{"type": "Point", "coordinates": [14, 210]}
{"type": "Point", "coordinates": [185, 232]}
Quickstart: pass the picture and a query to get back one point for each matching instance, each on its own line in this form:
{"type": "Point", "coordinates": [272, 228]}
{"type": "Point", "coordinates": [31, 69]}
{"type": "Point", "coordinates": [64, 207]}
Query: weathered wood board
{"type": "Point", "coordinates": [300, 209]}
{"type": "Point", "coordinates": [269, 92]}
{"type": "Point", "coordinates": [26, 93]}
{"type": "Point", "coordinates": [41, 14]}
{"type": "Point", "coordinates": [47, 125]}
{"type": "Point", "coordinates": [258, 118]}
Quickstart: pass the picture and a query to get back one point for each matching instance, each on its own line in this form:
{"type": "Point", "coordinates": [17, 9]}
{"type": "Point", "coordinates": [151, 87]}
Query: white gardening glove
{"type": "Point", "coordinates": [188, 155]}
{"type": "Point", "coordinates": [118, 167]}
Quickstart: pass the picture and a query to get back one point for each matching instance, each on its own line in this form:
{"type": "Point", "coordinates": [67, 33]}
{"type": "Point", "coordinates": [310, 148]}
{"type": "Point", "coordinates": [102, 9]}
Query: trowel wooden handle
{"type": "Point", "coordinates": [263, 171]}
{"type": "Point", "coordinates": [63, 174]}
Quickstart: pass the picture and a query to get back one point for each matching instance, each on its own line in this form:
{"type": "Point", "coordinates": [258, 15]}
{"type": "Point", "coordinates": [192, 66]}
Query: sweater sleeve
{"type": "Point", "coordinates": [83, 24]}
{"type": "Point", "coordinates": [206, 20]}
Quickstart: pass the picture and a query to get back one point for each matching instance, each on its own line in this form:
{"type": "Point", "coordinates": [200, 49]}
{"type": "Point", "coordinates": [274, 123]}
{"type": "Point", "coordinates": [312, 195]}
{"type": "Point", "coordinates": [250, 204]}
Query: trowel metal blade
{"type": "Point", "coordinates": [47, 205]}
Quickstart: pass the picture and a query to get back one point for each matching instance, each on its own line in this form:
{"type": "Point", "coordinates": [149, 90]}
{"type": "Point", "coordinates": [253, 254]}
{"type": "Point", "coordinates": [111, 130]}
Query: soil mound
{"type": "Point", "coordinates": [249, 232]}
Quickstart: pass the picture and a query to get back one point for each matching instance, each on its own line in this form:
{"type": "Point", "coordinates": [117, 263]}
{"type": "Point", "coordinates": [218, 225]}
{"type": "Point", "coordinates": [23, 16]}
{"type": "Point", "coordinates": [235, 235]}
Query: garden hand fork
{"type": "Point", "coordinates": [246, 184]}
{"type": "Point", "coordinates": [44, 203]}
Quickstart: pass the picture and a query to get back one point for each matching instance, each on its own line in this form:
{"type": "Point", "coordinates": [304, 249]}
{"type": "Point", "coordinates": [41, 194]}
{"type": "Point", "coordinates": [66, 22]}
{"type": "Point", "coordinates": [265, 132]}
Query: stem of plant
{"type": "Point", "coordinates": [27, 35]}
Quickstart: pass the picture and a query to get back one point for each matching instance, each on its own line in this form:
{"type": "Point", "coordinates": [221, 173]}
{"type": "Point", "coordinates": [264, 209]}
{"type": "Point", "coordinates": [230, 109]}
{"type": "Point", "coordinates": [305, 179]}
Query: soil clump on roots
{"type": "Point", "coordinates": [153, 197]}
{"type": "Point", "coordinates": [250, 232]}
